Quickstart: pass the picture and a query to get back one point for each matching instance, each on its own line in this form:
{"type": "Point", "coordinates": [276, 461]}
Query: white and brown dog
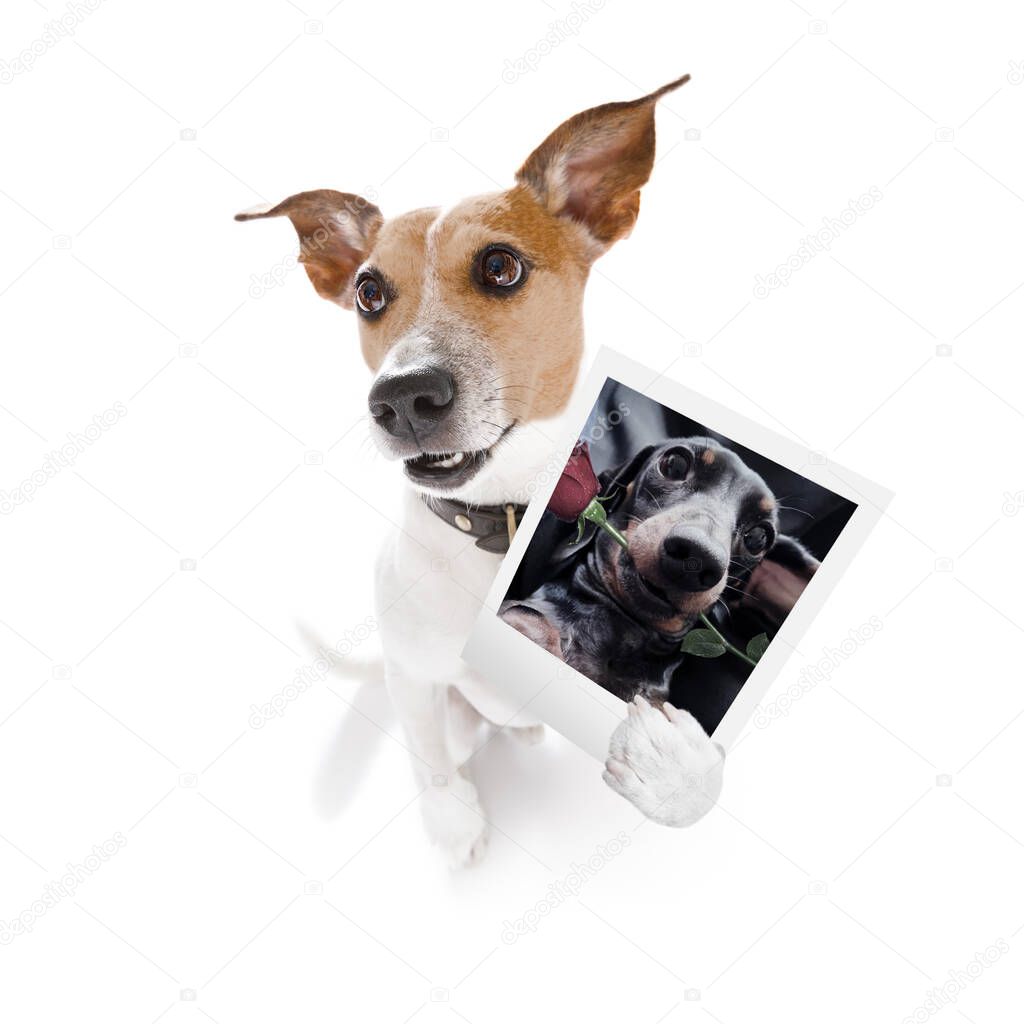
{"type": "Point", "coordinates": [470, 319]}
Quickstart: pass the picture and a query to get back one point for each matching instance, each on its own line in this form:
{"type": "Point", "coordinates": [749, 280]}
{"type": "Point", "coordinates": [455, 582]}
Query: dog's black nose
{"type": "Point", "coordinates": [409, 404]}
{"type": "Point", "coordinates": [689, 561]}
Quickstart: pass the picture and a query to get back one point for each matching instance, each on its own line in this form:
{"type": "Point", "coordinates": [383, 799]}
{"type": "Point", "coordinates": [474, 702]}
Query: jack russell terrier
{"type": "Point", "coordinates": [470, 319]}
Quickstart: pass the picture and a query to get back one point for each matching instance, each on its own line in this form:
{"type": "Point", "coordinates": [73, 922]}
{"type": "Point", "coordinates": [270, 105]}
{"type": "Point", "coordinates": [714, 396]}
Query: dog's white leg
{"type": "Point", "coordinates": [464, 726]}
{"type": "Point", "coordinates": [664, 763]}
{"type": "Point", "coordinates": [439, 735]}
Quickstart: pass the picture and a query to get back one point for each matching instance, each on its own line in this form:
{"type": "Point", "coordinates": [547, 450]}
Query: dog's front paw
{"type": "Point", "coordinates": [665, 764]}
{"type": "Point", "coordinates": [454, 820]}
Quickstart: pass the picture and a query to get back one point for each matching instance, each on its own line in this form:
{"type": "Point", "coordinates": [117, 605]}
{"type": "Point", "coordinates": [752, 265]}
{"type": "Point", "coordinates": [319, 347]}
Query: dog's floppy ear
{"type": "Point", "coordinates": [336, 232]}
{"type": "Point", "coordinates": [620, 477]}
{"type": "Point", "coordinates": [554, 548]}
{"type": "Point", "coordinates": [779, 579]}
{"type": "Point", "coordinates": [591, 168]}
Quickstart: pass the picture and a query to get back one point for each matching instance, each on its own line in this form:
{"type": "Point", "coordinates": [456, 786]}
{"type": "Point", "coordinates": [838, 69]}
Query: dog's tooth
{"type": "Point", "coordinates": [451, 462]}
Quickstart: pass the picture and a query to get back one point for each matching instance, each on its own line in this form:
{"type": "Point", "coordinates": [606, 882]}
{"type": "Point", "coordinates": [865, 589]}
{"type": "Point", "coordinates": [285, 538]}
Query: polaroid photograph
{"type": "Point", "coordinates": [674, 550]}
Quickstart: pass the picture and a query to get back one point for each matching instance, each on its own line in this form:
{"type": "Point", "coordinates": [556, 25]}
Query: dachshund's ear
{"type": "Point", "coordinates": [554, 546]}
{"type": "Point", "coordinates": [622, 475]}
{"type": "Point", "coordinates": [779, 579]}
{"type": "Point", "coordinates": [529, 619]}
{"type": "Point", "coordinates": [789, 553]}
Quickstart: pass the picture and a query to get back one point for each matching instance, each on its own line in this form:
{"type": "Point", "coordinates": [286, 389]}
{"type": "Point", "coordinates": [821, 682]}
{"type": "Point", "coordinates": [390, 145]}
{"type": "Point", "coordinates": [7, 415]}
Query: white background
{"type": "Point", "coordinates": [868, 842]}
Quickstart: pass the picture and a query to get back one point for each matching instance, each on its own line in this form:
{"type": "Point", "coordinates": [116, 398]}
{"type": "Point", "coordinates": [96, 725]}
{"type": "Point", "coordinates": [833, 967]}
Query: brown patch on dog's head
{"type": "Point", "coordinates": [530, 337]}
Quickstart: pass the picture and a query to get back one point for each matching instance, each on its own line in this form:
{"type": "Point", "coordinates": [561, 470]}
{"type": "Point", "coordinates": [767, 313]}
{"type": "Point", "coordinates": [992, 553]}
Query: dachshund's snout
{"type": "Point", "coordinates": [412, 403]}
{"type": "Point", "coordinates": [690, 562]}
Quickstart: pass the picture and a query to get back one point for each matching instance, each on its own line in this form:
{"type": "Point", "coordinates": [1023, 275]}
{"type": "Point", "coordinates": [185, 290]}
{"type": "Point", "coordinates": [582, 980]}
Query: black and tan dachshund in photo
{"type": "Point", "coordinates": [703, 529]}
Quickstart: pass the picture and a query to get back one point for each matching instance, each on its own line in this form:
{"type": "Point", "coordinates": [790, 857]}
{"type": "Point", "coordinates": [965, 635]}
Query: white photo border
{"type": "Point", "coordinates": [533, 680]}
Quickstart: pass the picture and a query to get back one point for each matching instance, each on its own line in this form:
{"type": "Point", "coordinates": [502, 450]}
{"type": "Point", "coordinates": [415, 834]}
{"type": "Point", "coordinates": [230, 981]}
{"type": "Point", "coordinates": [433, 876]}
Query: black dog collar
{"type": "Point", "coordinates": [494, 526]}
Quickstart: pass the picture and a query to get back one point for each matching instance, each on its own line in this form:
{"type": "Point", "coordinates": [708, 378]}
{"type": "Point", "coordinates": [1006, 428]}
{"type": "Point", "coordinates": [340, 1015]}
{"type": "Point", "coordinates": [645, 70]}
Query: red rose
{"type": "Point", "coordinates": [575, 495]}
{"type": "Point", "coordinates": [577, 488]}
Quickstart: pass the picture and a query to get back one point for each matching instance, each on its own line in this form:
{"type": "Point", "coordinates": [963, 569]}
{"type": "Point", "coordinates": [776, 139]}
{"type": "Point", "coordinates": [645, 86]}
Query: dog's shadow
{"type": "Point", "coordinates": [355, 741]}
{"type": "Point", "coordinates": [551, 776]}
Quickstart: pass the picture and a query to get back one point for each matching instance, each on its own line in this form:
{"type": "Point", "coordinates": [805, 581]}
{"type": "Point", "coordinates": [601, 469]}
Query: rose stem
{"type": "Point", "coordinates": [596, 514]}
{"type": "Point", "coordinates": [725, 643]}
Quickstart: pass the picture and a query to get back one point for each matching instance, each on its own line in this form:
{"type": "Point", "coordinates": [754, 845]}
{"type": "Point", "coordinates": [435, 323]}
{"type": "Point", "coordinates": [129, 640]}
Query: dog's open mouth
{"type": "Point", "coordinates": [653, 589]}
{"type": "Point", "coordinates": [448, 470]}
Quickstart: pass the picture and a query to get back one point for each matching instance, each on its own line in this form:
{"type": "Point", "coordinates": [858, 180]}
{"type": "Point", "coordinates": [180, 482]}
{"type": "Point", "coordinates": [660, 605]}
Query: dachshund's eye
{"type": "Point", "coordinates": [500, 268]}
{"type": "Point", "coordinates": [369, 295]}
{"type": "Point", "coordinates": [675, 465]}
{"type": "Point", "coordinates": [758, 539]}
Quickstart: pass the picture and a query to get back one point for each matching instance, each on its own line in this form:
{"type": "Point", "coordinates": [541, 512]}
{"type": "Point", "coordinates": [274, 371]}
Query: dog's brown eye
{"type": "Point", "coordinates": [370, 295]}
{"type": "Point", "coordinates": [758, 538]}
{"type": "Point", "coordinates": [500, 268]}
{"type": "Point", "coordinates": [675, 465]}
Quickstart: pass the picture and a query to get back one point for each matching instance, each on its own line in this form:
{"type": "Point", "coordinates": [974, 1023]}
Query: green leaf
{"type": "Point", "coordinates": [757, 646]}
{"type": "Point", "coordinates": [703, 644]}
